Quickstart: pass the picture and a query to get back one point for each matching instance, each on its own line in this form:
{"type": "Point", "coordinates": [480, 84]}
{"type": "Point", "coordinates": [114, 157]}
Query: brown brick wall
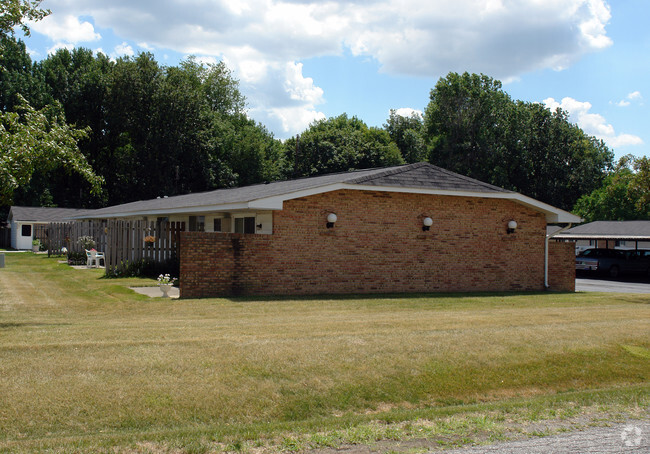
{"type": "Point", "coordinates": [377, 245]}
{"type": "Point", "coordinates": [561, 266]}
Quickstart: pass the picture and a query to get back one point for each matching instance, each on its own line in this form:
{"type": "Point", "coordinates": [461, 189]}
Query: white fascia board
{"type": "Point", "coordinates": [577, 236]}
{"type": "Point", "coordinates": [553, 215]}
{"type": "Point", "coordinates": [167, 211]}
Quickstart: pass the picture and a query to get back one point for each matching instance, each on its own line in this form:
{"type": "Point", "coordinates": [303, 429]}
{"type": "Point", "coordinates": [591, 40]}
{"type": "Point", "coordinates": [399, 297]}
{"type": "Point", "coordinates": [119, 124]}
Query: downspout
{"type": "Point", "coordinates": [548, 237]}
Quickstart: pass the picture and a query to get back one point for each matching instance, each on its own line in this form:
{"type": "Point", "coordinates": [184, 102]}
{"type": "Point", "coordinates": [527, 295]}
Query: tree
{"type": "Point", "coordinates": [624, 196]}
{"type": "Point", "coordinates": [339, 144]}
{"type": "Point", "coordinates": [406, 132]}
{"type": "Point", "coordinates": [14, 13]}
{"type": "Point", "coordinates": [474, 128]}
{"type": "Point", "coordinates": [464, 123]}
{"type": "Point", "coordinates": [31, 140]}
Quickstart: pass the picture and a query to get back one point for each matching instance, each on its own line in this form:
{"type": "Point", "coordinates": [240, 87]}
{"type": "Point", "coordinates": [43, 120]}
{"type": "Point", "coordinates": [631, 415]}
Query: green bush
{"type": "Point", "coordinates": [77, 258]}
{"type": "Point", "coordinates": [145, 268]}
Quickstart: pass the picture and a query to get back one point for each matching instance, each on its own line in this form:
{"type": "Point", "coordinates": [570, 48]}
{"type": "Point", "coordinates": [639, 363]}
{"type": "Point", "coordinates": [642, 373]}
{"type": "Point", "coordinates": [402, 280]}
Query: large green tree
{"type": "Point", "coordinates": [153, 130]}
{"type": "Point", "coordinates": [31, 141]}
{"type": "Point", "coordinates": [474, 128]}
{"type": "Point", "coordinates": [407, 133]}
{"type": "Point", "coordinates": [339, 144]}
{"type": "Point", "coordinates": [15, 13]}
{"type": "Point", "coordinates": [624, 196]}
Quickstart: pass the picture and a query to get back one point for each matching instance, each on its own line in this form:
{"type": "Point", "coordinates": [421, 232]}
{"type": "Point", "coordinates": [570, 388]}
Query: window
{"type": "Point", "coordinates": [26, 230]}
{"type": "Point", "coordinates": [245, 225]}
{"type": "Point", "coordinates": [197, 224]}
{"type": "Point", "coordinates": [217, 225]}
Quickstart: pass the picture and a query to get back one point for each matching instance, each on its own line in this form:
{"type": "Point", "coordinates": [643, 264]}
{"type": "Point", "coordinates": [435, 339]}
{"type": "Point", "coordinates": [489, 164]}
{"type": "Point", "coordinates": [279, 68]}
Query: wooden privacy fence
{"type": "Point", "coordinates": [122, 242]}
{"type": "Point", "coordinates": [66, 234]}
{"type": "Point", "coordinates": [133, 241]}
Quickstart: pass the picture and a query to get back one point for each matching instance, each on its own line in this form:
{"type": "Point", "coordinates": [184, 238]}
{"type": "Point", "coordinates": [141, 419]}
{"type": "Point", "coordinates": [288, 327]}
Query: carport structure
{"type": "Point", "coordinates": [609, 235]}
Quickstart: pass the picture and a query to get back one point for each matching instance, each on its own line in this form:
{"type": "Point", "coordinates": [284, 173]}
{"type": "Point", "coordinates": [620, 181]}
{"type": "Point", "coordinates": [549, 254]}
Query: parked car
{"type": "Point", "coordinates": [614, 262]}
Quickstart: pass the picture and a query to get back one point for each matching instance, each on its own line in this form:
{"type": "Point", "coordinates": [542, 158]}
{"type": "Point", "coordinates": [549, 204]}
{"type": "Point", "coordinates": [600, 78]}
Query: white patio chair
{"type": "Point", "coordinates": [90, 258]}
{"type": "Point", "coordinates": [99, 256]}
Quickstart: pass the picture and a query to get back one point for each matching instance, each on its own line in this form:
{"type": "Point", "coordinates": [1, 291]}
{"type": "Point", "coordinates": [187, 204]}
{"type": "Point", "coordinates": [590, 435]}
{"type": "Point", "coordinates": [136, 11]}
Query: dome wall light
{"type": "Point", "coordinates": [331, 219]}
{"type": "Point", "coordinates": [426, 224]}
{"type": "Point", "coordinates": [512, 226]}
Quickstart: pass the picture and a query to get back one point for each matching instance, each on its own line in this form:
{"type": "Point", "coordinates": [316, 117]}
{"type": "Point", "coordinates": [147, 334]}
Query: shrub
{"type": "Point", "coordinates": [145, 268]}
{"type": "Point", "coordinates": [86, 242]}
{"type": "Point", "coordinates": [77, 258]}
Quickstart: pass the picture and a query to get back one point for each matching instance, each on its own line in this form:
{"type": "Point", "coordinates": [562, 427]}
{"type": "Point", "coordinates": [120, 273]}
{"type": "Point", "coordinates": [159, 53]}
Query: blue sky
{"type": "Point", "coordinates": [300, 60]}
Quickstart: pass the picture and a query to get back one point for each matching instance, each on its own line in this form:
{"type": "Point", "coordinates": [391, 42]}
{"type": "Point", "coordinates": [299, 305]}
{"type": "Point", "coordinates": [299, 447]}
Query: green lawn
{"type": "Point", "coordinates": [87, 364]}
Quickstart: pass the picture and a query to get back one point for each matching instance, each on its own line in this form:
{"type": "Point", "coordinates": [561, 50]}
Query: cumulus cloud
{"type": "Point", "coordinates": [123, 50]}
{"type": "Point", "coordinates": [407, 112]}
{"type": "Point", "coordinates": [634, 96]}
{"type": "Point", "coordinates": [57, 46]}
{"type": "Point", "coordinates": [66, 28]}
{"type": "Point", "coordinates": [592, 123]}
{"type": "Point", "coordinates": [261, 40]}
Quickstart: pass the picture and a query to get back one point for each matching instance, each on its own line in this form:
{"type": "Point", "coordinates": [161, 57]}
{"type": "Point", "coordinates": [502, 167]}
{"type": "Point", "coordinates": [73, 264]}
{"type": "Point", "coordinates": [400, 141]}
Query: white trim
{"type": "Point", "coordinates": [165, 211]}
{"type": "Point", "coordinates": [553, 215]}
{"type": "Point", "coordinates": [577, 236]}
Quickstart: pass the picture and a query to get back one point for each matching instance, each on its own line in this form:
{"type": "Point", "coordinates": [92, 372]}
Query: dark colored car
{"type": "Point", "coordinates": [614, 262]}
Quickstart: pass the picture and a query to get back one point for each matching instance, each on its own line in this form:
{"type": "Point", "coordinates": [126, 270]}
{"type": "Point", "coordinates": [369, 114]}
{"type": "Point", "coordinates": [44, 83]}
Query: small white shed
{"type": "Point", "coordinates": [23, 221]}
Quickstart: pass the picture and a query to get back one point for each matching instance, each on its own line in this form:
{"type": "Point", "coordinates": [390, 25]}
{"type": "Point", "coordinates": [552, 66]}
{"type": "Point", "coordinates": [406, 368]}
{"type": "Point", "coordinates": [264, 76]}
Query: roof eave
{"type": "Point", "coordinates": [553, 215]}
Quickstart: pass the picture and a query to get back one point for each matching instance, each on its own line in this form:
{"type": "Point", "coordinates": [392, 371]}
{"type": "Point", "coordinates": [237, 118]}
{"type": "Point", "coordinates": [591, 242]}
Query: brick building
{"type": "Point", "coordinates": [412, 228]}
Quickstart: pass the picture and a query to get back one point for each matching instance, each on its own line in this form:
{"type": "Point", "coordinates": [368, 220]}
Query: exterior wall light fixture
{"type": "Point", "coordinates": [331, 219]}
{"type": "Point", "coordinates": [426, 224]}
{"type": "Point", "coordinates": [512, 225]}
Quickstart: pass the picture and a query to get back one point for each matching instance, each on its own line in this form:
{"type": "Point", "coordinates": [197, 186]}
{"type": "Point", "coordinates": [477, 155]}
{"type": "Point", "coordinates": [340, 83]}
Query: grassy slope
{"type": "Point", "coordinates": [85, 361]}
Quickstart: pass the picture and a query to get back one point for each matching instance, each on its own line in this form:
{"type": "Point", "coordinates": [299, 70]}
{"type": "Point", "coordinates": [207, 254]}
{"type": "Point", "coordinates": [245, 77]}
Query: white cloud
{"type": "Point", "coordinates": [592, 123]}
{"type": "Point", "coordinates": [261, 40]}
{"type": "Point", "coordinates": [123, 49]}
{"type": "Point", "coordinates": [206, 60]}
{"type": "Point", "coordinates": [32, 53]}
{"type": "Point", "coordinates": [634, 96]}
{"type": "Point", "coordinates": [285, 100]}
{"type": "Point", "coordinates": [407, 112]}
{"type": "Point", "coordinates": [66, 28]}
{"type": "Point", "coordinates": [57, 46]}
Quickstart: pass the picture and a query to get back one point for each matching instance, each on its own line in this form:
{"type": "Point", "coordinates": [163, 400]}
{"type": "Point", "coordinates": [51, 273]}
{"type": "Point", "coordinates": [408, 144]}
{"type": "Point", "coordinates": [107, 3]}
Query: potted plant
{"type": "Point", "coordinates": [165, 282]}
{"type": "Point", "coordinates": [36, 245]}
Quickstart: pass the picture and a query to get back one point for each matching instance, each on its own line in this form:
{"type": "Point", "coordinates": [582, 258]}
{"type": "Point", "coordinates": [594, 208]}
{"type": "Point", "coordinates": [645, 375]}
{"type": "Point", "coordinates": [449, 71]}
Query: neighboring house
{"type": "Point", "coordinates": [412, 228]}
{"type": "Point", "coordinates": [29, 223]}
{"type": "Point", "coordinates": [609, 235]}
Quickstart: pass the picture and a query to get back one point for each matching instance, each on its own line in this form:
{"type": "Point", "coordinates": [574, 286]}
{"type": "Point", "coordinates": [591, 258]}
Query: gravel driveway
{"type": "Point", "coordinates": [630, 437]}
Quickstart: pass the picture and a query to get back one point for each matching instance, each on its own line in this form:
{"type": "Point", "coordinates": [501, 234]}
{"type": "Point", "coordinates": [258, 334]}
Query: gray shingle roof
{"type": "Point", "coordinates": [419, 175]}
{"type": "Point", "coordinates": [41, 214]}
{"type": "Point", "coordinates": [610, 229]}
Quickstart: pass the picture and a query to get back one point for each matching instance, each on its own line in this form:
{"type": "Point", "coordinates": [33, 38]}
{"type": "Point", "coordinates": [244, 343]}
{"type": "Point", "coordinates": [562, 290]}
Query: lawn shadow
{"type": "Point", "coordinates": [10, 325]}
{"type": "Point", "coordinates": [385, 296]}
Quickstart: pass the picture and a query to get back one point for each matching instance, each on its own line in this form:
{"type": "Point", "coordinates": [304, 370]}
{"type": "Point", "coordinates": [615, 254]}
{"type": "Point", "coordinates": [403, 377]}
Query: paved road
{"type": "Point", "coordinates": [598, 285]}
{"type": "Point", "coordinates": [631, 437]}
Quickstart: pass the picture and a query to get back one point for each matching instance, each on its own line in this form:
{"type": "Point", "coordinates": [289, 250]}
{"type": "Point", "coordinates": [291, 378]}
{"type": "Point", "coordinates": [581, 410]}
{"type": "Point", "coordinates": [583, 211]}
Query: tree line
{"type": "Point", "coordinates": [114, 131]}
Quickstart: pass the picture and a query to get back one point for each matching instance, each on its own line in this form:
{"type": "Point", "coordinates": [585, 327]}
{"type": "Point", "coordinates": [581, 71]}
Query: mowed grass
{"type": "Point", "coordinates": [87, 363]}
